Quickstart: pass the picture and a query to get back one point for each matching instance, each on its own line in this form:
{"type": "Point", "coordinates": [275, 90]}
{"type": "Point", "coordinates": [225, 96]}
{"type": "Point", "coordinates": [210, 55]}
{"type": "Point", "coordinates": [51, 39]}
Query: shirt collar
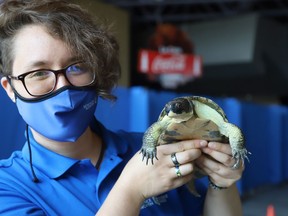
{"type": "Point", "coordinates": [54, 165]}
{"type": "Point", "coordinates": [48, 162]}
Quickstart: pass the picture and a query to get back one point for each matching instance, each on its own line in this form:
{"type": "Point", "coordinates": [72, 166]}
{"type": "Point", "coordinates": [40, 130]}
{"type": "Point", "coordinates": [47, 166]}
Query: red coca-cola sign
{"type": "Point", "coordinates": [153, 62]}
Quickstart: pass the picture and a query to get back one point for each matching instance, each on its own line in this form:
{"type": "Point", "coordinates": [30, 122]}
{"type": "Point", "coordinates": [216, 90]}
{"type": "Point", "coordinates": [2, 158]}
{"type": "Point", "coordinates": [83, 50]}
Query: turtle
{"type": "Point", "coordinates": [193, 117]}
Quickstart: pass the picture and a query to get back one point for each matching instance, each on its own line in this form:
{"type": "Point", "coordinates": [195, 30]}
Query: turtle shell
{"type": "Point", "coordinates": [206, 101]}
{"type": "Point", "coordinates": [195, 127]}
{"type": "Point", "coordinates": [203, 101]}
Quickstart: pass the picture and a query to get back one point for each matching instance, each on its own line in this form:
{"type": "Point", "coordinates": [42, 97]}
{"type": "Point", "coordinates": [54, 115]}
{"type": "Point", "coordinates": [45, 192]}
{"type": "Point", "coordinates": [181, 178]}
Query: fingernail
{"type": "Point", "coordinates": [211, 145]}
{"type": "Point", "coordinates": [203, 143]}
{"type": "Point", "coordinates": [206, 150]}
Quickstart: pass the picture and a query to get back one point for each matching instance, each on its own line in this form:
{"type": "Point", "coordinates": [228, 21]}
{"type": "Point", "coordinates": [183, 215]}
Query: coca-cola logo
{"type": "Point", "coordinates": [168, 64]}
{"type": "Point", "coordinates": [152, 62]}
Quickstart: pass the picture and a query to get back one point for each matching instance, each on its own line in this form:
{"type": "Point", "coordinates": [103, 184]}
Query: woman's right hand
{"type": "Point", "coordinates": [154, 179]}
{"type": "Point", "coordinates": [139, 181]}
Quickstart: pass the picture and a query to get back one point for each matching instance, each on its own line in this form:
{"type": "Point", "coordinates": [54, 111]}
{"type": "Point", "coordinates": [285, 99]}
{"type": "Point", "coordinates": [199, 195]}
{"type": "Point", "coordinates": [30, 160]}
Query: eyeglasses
{"type": "Point", "coordinates": [42, 82]}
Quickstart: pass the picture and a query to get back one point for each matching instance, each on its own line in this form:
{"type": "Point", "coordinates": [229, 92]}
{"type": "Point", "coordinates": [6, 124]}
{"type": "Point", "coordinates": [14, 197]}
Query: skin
{"type": "Point", "coordinates": [53, 54]}
{"type": "Point", "coordinates": [35, 49]}
{"type": "Point", "coordinates": [224, 202]}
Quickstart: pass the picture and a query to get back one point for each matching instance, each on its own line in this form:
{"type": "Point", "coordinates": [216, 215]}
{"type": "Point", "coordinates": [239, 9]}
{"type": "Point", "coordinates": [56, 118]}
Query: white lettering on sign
{"type": "Point", "coordinates": [173, 63]}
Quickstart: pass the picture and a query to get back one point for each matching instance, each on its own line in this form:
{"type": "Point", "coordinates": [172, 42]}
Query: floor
{"type": "Point", "coordinates": [256, 202]}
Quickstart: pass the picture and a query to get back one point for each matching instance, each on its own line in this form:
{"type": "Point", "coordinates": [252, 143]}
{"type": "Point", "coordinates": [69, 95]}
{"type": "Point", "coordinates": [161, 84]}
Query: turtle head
{"type": "Point", "coordinates": [179, 108]}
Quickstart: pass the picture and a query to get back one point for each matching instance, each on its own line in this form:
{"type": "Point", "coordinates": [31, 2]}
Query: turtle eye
{"type": "Point", "coordinates": [177, 107]}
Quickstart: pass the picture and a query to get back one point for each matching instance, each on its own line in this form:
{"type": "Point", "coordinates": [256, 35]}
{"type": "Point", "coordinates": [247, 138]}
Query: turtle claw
{"type": "Point", "coordinates": [149, 154]}
{"type": "Point", "coordinates": [236, 165]}
{"type": "Point", "coordinates": [240, 156]}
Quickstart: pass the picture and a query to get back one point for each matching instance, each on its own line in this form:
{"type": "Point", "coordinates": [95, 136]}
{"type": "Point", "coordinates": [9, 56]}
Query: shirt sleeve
{"type": "Point", "coordinates": [12, 204]}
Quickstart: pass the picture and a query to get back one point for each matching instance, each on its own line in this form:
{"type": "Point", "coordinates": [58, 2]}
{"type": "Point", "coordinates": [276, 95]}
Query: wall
{"type": "Point", "coordinates": [121, 26]}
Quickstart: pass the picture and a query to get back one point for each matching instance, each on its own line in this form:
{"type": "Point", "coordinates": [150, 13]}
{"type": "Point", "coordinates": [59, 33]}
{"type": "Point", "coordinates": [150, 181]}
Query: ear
{"type": "Point", "coordinates": [8, 88]}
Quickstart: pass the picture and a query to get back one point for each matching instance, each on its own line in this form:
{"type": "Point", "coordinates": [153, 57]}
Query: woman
{"type": "Point", "coordinates": [56, 62]}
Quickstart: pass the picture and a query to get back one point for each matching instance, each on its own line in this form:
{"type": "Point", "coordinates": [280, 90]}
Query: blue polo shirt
{"type": "Point", "coordinates": [75, 187]}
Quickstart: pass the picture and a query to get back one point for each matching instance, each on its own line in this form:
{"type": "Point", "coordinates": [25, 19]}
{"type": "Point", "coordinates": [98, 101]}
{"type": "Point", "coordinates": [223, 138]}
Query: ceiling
{"type": "Point", "coordinates": [147, 11]}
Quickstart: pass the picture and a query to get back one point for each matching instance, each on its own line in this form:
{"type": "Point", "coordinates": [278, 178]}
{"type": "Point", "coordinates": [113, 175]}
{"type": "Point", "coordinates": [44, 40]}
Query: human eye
{"type": "Point", "coordinates": [39, 75]}
{"type": "Point", "coordinates": [77, 69]}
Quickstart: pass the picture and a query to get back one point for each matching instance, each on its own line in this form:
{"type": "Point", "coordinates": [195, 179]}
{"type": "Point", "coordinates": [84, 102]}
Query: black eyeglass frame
{"type": "Point", "coordinates": [55, 72]}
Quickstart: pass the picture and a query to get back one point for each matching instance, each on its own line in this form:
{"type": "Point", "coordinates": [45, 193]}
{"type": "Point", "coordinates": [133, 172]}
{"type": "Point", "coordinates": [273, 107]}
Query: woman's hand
{"type": "Point", "coordinates": [217, 162]}
{"type": "Point", "coordinates": [139, 181]}
{"type": "Point", "coordinates": [151, 180]}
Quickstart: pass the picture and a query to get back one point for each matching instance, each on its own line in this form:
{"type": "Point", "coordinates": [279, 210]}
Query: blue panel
{"type": "Point", "coordinates": [285, 142]}
{"type": "Point", "coordinates": [139, 115]}
{"type": "Point", "coordinates": [12, 126]}
{"type": "Point", "coordinates": [276, 143]}
{"type": "Point", "coordinates": [262, 129]}
{"type": "Point", "coordinates": [146, 106]}
{"type": "Point", "coordinates": [115, 115]}
{"type": "Point", "coordinates": [233, 110]}
{"type": "Point", "coordinates": [157, 101]}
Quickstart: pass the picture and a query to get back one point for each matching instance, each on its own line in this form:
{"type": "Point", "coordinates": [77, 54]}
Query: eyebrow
{"type": "Point", "coordinates": [44, 63]}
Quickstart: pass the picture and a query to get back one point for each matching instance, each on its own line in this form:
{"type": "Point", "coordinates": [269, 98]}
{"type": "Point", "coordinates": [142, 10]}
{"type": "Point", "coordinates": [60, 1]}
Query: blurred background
{"type": "Point", "coordinates": [232, 51]}
{"type": "Point", "coordinates": [243, 43]}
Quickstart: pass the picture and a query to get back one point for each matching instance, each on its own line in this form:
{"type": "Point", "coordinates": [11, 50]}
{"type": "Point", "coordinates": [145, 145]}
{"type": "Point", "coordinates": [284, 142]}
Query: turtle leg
{"type": "Point", "coordinates": [197, 173]}
{"type": "Point", "coordinates": [240, 155]}
{"type": "Point", "coordinates": [150, 140]}
{"type": "Point", "coordinates": [149, 153]}
{"type": "Point", "coordinates": [236, 140]}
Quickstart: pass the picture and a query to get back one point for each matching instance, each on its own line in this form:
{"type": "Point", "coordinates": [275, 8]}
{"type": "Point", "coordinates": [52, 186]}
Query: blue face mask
{"type": "Point", "coordinates": [63, 117]}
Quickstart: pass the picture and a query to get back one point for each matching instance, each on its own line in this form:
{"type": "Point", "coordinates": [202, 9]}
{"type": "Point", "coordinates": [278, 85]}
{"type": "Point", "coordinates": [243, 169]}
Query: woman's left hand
{"type": "Point", "coordinates": [217, 163]}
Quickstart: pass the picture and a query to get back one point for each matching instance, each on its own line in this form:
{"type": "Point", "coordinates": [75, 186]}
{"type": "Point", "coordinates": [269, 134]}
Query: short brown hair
{"type": "Point", "coordinates": [91, 39]}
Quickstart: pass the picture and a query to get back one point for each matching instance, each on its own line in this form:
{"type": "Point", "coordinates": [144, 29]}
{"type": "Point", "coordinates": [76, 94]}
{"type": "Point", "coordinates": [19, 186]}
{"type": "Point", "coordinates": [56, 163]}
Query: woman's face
{"type": "Point", "coordinates": [35, 49]}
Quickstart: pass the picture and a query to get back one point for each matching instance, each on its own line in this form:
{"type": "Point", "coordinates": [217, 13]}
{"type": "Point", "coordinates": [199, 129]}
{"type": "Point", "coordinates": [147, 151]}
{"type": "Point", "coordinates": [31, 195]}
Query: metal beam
{"type": "Point", "coordinates": [134, 3]}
